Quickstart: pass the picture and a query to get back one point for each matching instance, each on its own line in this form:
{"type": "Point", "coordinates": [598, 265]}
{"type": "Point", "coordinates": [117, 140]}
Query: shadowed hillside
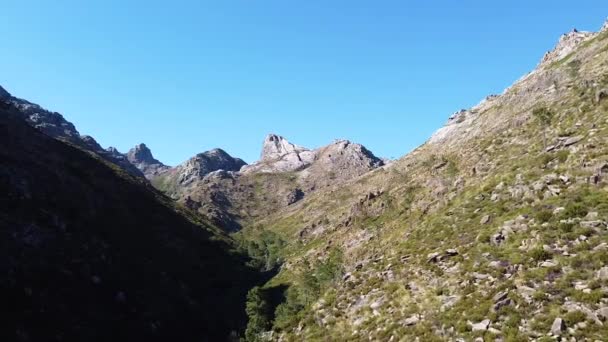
{"type": "Point", "coordinates": [91, 253]}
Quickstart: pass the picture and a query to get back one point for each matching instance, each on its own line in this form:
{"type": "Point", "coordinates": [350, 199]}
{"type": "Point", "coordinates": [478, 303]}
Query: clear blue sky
{"type": "Point", "coordinates": [187, 76]}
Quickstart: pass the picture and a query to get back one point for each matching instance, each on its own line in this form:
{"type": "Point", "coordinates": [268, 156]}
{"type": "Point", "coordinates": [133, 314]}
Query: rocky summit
{"type": "Point", "coordinates": [494, 229]}
{"type": "Point", "coordinates": [141, 157]}
{"type": "Point", "coordinates": [279, 155]}
{"type": "Point", "coordinates": [197, 167]}
{"type": "Point", "coordinates": [285, 174]}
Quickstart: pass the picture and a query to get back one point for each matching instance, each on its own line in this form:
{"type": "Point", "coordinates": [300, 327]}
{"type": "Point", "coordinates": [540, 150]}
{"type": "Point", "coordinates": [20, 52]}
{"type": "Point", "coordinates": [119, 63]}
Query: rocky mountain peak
{"type": "Point", "coordinates": [605, 26]}
{"type": "Point", "coordinates": [197, 167]}
{"type": "Point", "coordinates": [141, 154]}
{"type": "Point", "coordinates": [112, 150]}
{"type": "Point", "coordinates": [4, 94]}
{"type": "Point", "coordinates": [344, 160]}
{"type": "Point", "coordinates": [91, 143]}
{"type": "Point", "coordinates": [279, 155]}
{"type": "Point", "coordinates": [142, 158]}
{"type": "Point", "coordinates": [567, 43]}
{"type": "Point", "coordinates": [276, 147]}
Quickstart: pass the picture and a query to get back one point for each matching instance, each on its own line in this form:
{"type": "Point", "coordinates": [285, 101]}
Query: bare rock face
{"type": "Point", "coordinates": [279, 155]}
{"type": "Point", "coordinates": [197, 167]}
{"type": "Point", "coordinates": [341, 161]}
{"type": "Point", "coordinates": [567, 43]}
{"type": "Point", "coordinates": [142, 158]}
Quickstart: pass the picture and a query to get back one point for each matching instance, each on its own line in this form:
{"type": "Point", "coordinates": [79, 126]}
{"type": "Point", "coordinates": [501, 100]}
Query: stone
{"type": "Point", "coordinates": [592, 215]}
{"type": "Point", "coordinates": [558, 210]}
{"type": "Point", "coordinates": [434, 257]}
{"type": "Point", "coordinates": [558, 327]}
{"type": "Point", "coordinates": [601, 95]}
{"type": "Point", "coordinates": [451, 252]}
{"type": "Point", "coordinates": [377, 304]}
{"type": "Point", "coordinates": [481, 326]}
{"type": "Point", "coordinates": [498, 238]}
{"type": "Point", "coordinates": [500, 304]}
{"type": "Point", "coordinates": [602, 274]}
{"type": "Point", "coordinates": [485, 219]}
{"type": "Point", "coordinates": [602, 313]}
{"type": "Point", "coordinates": [573, 140]}
{"type": "Point", "coordinates": [412, 320]}
{"type": "Point", "coordinates": [294, 196]}
{"type": "Point", "coordinates": [500, 296]}
{"type": "Point", "coordinates": [548, 264]}
{"type": "Point", "coordinates": [592, 224]}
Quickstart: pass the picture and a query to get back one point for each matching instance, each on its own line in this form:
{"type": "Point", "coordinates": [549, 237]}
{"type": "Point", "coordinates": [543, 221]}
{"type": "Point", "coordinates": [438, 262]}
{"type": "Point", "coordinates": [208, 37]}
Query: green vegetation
{"type": "Point", "coordinates": [258, 313]}
{"type": "Point", "coordinates": [265, 250]}
{"type": "Point", "coordinates": [544, 117]}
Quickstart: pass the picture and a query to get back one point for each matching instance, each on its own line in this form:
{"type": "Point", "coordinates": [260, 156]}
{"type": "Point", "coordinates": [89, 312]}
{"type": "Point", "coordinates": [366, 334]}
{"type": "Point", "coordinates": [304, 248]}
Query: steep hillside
{"type": "Point", "coordinates": [89, 252]}
{"type": "Point", "coordinates": [496, 228]}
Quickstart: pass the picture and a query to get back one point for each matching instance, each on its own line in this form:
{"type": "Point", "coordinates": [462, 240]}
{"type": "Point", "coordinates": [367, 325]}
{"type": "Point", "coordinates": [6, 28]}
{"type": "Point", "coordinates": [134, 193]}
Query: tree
{"type": "Point", "coordinates": [258, 312]}
{"type": "Point", "coordinates": [544, 117]}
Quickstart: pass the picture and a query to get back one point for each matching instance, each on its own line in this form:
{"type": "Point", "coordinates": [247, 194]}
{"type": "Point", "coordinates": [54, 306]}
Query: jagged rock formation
{"type": "Point", "coordinates": [141, 157]}
{"type": "Point", "coordinates": [284, 175]}
{"type": "Point", "coordinates": [346, 159]}
{"type": "Point", "coordinates": [197, 167]}
{"type": "Point", "coordinates": [56, 126]}
{"type": "Point", "coordinates": [90, 253]}
{"type": "Point", "coordinates": [279, 155]}
{"type": "Point", "coordinates": [341, 161]}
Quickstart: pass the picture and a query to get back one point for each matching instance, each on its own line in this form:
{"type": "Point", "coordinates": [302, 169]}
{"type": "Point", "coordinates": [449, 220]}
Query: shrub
{"type": "Point", "coordinates": [539, 254]}
{"type": "Point", "coordinates": [543, 215]}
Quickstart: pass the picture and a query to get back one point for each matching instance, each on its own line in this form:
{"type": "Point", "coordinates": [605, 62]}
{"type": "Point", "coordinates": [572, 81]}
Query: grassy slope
{"type": "Point", "coordinates": [425, 209]}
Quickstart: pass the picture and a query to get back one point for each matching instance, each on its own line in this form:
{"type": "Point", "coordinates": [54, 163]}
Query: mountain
{"type": "Point", "coordinates": [90, 252]}
{"type": "Point", "coordinates": [284, 174]}
{"type": "Point", "coordinates": [54, 125]}
{"type": "Point", "coordinates": [197, 167]}
{"type": "Point", "coordinates": [494, 229]}
{"type": "Point", "coordinates": [279, 155]}
{"type": "Point", "coordinates": [141, 157]}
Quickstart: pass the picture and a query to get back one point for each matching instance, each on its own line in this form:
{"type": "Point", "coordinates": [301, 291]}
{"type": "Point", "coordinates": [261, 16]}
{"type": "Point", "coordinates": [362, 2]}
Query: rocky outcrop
{"type": "Point", "coordinates": [197, 167]}
{"type": "Point", "coordinates": [340, 160]}
{"type": "Point", "coordinates": [141, 157]}
{"type": "Point", "coordinates": [567, 43]}
{"type": "Point", "coordinates": [279, 155]}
